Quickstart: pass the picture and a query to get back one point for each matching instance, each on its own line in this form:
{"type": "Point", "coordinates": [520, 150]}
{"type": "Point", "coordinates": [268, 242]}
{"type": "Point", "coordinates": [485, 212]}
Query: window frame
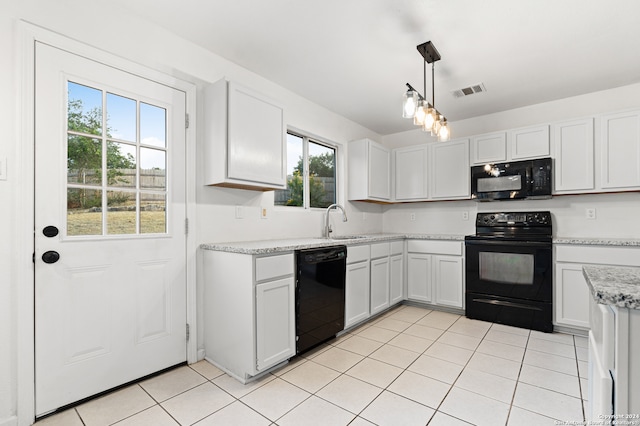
{"type": "Point", "coordinates": [306, 138]}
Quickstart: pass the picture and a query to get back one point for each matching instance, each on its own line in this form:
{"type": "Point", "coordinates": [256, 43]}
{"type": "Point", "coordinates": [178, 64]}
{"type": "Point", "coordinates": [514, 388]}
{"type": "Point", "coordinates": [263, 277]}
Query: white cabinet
{"type": "Point", "coordinates": [239, 154]}
{"type": "Point", "coordinates": [249, 311]}
{"type": "Point", "coordinates": [448, 273]}
{"type": "Point", "coordinates": [571, 292]}
{"type": "Point", "coordinates": [489, 148]}
{"type": "Point", "coordinates": [419, 277]}
{"type": "Point", "coordinates": [435, 272]}
{"type": "Point", "coordinates": [517, 144]}
{"type": "Point", "coordinates": [411, 173]}
{"type": "Point", "coordinates": [396, 272]}
{"type": "Point", "coordinates": [571, 296]}
{"type": "Point", "coordinates": [357, 285]}
{"type": "Point", "coordinates": [379, 285]}
{"type": "Point", "coordinates": [574, 156]}
{"type": "Point", "coordinates": [614, 366]}
{"type": "Point", "coordinates": [620, 151]}
{"type": "Point", "coordinates": [449, 173]}
{"type": "Point", "coordinates": [275, 322]}
{"type": "Point", "coordinates": [529, 142]}
{"type": "Point", "coordinates": [369, 170]}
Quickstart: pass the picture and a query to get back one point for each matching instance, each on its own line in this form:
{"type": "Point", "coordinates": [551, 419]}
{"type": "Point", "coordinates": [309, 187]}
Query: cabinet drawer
{"type": "Point", "coordinates": [618, 256]}
{"type": "Point", "coordinates": [379, 250]}
{"type": "Point", "coordinates": [274, 266]}
{"type": "Point", "coordinates": [397, 247]}
{"type": "Point", "coordinates": [357, 253]}
{"type": "Point", "coordinates": [435, 247]}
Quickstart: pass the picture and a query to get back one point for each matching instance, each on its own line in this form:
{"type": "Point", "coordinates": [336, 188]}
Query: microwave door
{"type": "Point", "coordinates": [499, 188]}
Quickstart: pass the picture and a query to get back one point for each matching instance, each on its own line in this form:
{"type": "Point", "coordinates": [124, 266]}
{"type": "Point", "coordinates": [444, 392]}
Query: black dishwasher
{"type": "Point", "coordinates": [320, 287]}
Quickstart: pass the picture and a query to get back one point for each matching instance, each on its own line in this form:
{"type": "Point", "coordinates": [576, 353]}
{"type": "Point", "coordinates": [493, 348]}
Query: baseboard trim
{"type": "Point", "coordinates": [9, 421]}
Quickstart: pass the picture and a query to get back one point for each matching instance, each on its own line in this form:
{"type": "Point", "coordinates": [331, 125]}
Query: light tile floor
{"type": "Point", "coordinates": [411, 366]}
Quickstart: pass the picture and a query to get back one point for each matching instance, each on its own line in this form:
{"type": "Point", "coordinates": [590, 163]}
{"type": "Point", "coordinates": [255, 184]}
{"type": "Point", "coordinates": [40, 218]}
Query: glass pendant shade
{"type": "Point", "coordinates": [443, 132]}
{"type": "Point", "coordinates": [436, 128]}
{"type": "Point", "coordinates": [421, 113]}
{"type": "Point", "coordinates": [429, 120]}
{"type": "Point", "coordinates": [409, 103]}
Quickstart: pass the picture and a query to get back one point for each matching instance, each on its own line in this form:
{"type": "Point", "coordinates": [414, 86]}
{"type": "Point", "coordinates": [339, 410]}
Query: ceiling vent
{"type": "Point", "coordinates": [476, 88]}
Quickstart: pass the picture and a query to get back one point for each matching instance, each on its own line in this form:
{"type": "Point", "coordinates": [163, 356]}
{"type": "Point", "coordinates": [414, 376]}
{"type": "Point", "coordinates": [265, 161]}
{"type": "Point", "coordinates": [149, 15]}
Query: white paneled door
{"type": "Point", "coordinates": [110, 277]}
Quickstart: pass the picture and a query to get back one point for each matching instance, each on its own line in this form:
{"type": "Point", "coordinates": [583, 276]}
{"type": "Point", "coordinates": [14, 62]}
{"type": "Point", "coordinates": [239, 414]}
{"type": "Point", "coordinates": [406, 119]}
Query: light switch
{"type": "Point", "coordinates": [239, 212]}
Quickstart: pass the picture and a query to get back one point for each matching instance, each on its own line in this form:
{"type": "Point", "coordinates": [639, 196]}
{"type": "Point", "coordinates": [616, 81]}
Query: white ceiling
{"type": "Point", "coordinates": [355, 56]}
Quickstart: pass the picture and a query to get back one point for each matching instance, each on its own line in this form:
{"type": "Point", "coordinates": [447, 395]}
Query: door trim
{"type": "Point", "coordinates": [27, 35]}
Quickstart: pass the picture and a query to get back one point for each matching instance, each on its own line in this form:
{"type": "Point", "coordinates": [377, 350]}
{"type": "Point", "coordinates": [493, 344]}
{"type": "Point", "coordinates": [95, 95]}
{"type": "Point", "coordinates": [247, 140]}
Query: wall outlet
{"type": "Point", "coordinates": [465, 215]}
{"type": "Point", "coordinates": [412, 217]}
{"type": "Point", "coordinates": [590, 213]}
{"type": "Point", "coordinates": [264, 213]}
{"type": "Point", "coordinates": [239, 212]}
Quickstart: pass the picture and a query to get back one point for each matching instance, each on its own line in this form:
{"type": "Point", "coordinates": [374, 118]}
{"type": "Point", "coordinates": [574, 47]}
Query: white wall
{"type": "Point", "coordinates": [149, 45]}
{"type": "Point", "coordinates": [615, 213]}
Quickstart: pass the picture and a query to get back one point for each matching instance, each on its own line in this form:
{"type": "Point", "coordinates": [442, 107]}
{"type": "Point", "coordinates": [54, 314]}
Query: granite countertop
{"type": "Point", "coordinates": [620, 242]}
{"type": "Point", "coordinates": [284, 245]}
{"type": "Point", "coordinates": [614, 285]}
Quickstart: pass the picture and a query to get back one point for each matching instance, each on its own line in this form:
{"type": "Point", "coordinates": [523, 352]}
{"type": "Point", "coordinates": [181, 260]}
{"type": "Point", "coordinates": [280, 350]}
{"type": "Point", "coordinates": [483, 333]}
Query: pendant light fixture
{"type": "Point", "coordinates": [416, 106]}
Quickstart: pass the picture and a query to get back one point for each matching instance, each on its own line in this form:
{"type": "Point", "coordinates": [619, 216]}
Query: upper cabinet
{"type": "Point", "coordinates": [573, 148]}
{"type": "Point", "coordinates": [620, 151]}
{"type": "Point", "coordinates": [244, 138]}
{"type": "Point", "coordinates": [517, 144]}
{"type": "Point", "coordinates": [489, 148]}
{"type": "Point", "coordinates": [450, 171]}
{"type": "Point", "coordinates": [411, 173]}
{"type": "Point", "coordinates": [529, 142]}
{"type": "Point", "coordinates": [369, 171]}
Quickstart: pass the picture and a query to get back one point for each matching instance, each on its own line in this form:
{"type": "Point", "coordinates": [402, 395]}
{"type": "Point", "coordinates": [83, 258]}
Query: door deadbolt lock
{"type": "Point", "coordinates": [50, 256]}
{"type": "Point", "coordinates": [50, 231]}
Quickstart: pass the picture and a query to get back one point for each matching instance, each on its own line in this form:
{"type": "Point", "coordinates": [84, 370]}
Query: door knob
{"type": "Point", "coordinates": [50, 231]}
{"type": "Point", "coordinates": [50, 256]}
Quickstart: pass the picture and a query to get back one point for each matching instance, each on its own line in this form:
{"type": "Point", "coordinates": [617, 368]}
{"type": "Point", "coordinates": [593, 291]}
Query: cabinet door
{"type": "Point", "coordinates": [419, 279]}
{"type": "Point", "coordinates": [275, 322]}
{"type": "Point", "coordinates": [620, 150]}
{"type": "Point", "coordinates": [396, 269]}
{"type": "Point", "coordinates": [448, 280]}
{"type": "Point", "coordinates": [379, 285]}
{"type": "Point", "coordinates": [571, 296]}
{"type": "Point", "coordinates": [256, 150]}
{"type": "Point", "coordinates": [450, 172]}
{"type": "Point", "coordinates": [356, 293]}
{"type": "Point", "coordinates": [379, 172]}
{"type": "Point", "coordinates": [411, 173]}
{"type": "Point", "coordinates": [573, 148]}
{"type": "Point", "coordinates": [531, 142]}
{"type": "Point", "coordinates": [490, 148]}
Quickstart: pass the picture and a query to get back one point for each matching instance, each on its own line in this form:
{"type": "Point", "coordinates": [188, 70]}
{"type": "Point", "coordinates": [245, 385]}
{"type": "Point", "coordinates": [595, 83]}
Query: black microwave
{"type": "Point", "coordinates": [515, 180]}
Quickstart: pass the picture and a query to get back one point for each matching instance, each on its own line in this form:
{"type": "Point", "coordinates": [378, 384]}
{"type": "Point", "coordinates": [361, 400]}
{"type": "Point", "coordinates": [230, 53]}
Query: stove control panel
{"type": "Point", "coordinates": [514, 219]}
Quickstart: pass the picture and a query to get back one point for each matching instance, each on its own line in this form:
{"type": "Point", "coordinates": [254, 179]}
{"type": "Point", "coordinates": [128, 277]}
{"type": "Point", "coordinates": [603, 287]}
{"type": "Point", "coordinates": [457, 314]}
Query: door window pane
{"type": "Point", "coordinates": [122, 212]}
{"type": "Point", "coordinates": [322, 175]}
{"type": "Point", "coordinates": [294, 194]}
{"type": "Point", "coordinates": [84, 211]}
{"type": "Point", "coordinates": [153, 125]}
{"type": "Point", "coordinates": [134, 150]}
{"type": "Point", "coordinates": [121, 164]}
{"type": "Point", "coordinates": [153, 170]}
{"type": "Point", "coordinates": [153, 216]}
{"type": "Point", "coordinates": [84, 109]}
{"type": "Point", "coordinates": [121, 117]}
{"type": "Point", "coordinates": [84, 160]}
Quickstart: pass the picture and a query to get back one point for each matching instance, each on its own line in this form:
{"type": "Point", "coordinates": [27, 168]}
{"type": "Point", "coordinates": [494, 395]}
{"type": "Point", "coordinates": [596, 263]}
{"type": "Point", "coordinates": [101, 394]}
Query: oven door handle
{"type": "Point", "coordinates": [508, 243]}
{"type": "Point", "coordinates": [508, 304]}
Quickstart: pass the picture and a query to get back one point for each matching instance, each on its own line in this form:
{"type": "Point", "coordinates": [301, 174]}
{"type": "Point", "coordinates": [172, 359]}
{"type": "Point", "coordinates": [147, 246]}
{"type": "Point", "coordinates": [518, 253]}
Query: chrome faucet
{"type": "Point", "coordinates": [327, 225]}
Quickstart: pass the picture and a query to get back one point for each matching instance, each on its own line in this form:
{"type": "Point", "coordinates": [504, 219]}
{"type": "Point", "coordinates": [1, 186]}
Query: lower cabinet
{"type": "Point", "coordinates": [249, 311]}
{"type": "Point", "coordinates": [571, 291]}
{"type": "Point", "coordinates": [275, 322]}
{"type": "Point", "coordinates": [396, 275]}
{"type": "Point", "coordinates": [379, 285]}
{"type": "Point", "coordinates": [357, 285]}
{"type": "Point", "coordinates": [435, 272]}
